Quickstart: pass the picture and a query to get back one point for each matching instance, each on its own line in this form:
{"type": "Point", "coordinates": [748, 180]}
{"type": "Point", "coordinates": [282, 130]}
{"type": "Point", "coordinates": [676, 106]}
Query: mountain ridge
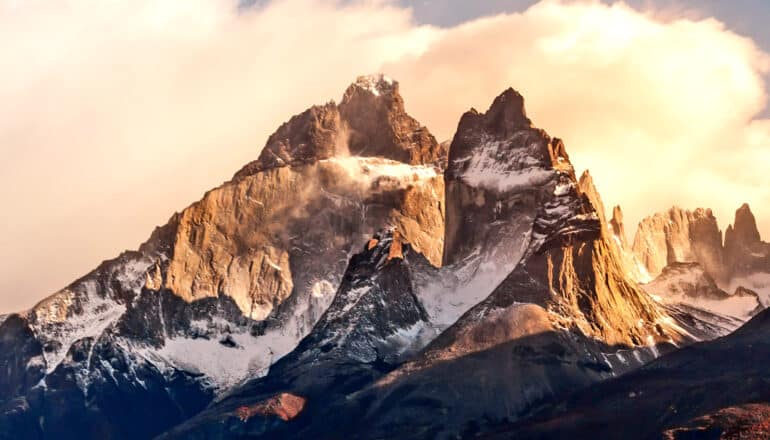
{"type": "Point", "coordinates": [357, 270]}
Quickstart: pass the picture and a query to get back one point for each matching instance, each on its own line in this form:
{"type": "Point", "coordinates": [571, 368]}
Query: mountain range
{"type": "Point", "coordinates": [360, 279]}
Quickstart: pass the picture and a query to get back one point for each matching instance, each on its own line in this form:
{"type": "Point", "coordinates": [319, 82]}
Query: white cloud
{"type": "Point", "coordinates": [115, 113]}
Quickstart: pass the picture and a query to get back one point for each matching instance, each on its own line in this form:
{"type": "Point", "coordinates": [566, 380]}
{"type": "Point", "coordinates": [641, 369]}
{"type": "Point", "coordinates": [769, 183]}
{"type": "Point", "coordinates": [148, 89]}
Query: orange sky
{"type": "Point", "coordinates": [114, 115]}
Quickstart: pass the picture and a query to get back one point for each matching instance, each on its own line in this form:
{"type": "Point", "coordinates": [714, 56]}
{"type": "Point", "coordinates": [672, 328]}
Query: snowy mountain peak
{"type": "Point", "coordinates": [376, 84]}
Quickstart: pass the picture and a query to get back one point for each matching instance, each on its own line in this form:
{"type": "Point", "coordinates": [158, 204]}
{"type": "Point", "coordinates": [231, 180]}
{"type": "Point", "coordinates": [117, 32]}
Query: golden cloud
{"type": "Point", "coordinates": [113, 114]}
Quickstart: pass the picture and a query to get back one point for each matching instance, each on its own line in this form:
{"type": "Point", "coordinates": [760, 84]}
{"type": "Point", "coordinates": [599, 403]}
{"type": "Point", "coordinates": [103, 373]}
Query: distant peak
{"type": "Point", "coordinates": [745, 225]}
{"type": "Point", "coordinates": [586, 177]}
{"type": "Point", "coordinates": [617, 214]}
{"type": "Point", "coordinates": [507, 110]}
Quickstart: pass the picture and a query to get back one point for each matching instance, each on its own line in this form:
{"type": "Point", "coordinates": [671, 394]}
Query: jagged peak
{"type": "Point", "coordinates": [376, 84]}
{"type": "Point", "coordinates": [744, 227]}
{"type": "Point", "coordinates": [501, 150]}
{"type": "Point", "coordinates": [587, 187]}
{"type": "Point", "coordinates": [370, 121]}
{"type": "Point", "coordinates": [586, 180]}
{"type": "Point", "coordinates": [508, 111]}
{"type": "Point", "coordinates": [617, 214]}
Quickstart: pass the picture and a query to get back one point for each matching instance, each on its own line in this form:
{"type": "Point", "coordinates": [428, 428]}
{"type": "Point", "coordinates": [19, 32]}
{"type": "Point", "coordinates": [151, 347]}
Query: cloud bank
{"type": "Point", "coordinates": [115, 113]}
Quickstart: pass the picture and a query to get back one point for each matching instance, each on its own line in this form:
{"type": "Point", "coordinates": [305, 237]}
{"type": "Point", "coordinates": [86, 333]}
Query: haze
{"type": "Point", "coordinates": [115, 114]}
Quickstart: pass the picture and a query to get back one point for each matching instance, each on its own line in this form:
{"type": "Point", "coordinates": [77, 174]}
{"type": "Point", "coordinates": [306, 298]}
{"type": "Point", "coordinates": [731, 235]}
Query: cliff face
{"type": "Point", "coordinates": [745, 252]}
{"type": "Point", "coordinates": [495, 160]}
{"type": "Point", "coordinates": [680, 236]}
{"type": "Point", "coordinates": [233, 282]}
{"type": "Point", "coordinates": [289, 230]}
{"type": "Point", "coordinates": [613, 232]}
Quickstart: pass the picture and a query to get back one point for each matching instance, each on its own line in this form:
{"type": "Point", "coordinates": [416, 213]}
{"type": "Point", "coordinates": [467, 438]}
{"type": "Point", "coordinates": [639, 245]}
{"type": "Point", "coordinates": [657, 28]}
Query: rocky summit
{"type": "Point", "coordinates": [359, 279]}
{"type": "Point", "coordinates": [689, 246]}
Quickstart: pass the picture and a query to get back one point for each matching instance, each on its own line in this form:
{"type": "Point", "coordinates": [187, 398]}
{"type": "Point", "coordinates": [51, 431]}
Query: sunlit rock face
{"type": "Point", "coordinates": [745, 252]}
{"type": "Point", "coordinates": [678, 236]}
{"type": "Point", "coordinates": [233, 282]}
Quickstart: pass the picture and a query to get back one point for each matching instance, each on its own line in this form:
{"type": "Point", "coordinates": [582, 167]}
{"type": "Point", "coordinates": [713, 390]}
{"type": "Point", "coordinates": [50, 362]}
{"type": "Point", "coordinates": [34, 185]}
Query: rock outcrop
{"type": "Point", "coordinates": [680, 236]}
{"type": "Point", "coordinates": [613, 231]}
{"type": "Point", "coordinates": [496, 159]}
{"type": "Point", "coordinates": [745, 252]}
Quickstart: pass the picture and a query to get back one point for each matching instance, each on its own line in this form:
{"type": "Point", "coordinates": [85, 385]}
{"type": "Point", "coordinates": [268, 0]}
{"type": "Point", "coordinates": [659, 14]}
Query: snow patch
{"type": "Point", "coordinates": [457, 288]}
{"type": "Point", "coordinates": [375, 84]}
{"type": "Point", "coordinates": [498, 167]}
{"type": "Point", "coordinates": [85, 309]}
{"type": "Point", "coordinates": [222, 364]}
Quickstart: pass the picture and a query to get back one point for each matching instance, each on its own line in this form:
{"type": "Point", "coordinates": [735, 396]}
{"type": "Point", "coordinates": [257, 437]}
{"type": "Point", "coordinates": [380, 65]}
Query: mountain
{"type": "Point", "coordinates": [715, 389]}
{"type": "Point", "coordinates": [233, 282]}
{"type": "Point", "coordinates": [359, 279]}
{"type": "Point", "coordinates": [565, 317]}
{"type": "Point", "coordinates": [741, 264]}
{"type": "Point", "coordinates": [747, 256]}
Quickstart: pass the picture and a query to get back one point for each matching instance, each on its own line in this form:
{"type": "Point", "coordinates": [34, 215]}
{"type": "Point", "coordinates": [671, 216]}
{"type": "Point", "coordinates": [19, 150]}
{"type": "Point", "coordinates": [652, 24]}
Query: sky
{"type": "Point", "coordinates": [115, 114]}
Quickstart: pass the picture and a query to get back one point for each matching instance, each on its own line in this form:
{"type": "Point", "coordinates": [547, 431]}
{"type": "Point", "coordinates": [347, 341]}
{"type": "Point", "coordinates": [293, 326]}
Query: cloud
{"type": "Point", "coordinates": [660, 111]}
{"type": "Point", "coordinates": [114, 113]}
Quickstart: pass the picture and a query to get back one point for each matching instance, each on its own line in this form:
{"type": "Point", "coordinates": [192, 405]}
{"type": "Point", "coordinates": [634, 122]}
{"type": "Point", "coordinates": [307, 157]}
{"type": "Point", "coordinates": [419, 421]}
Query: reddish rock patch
{"type": "Point", "coordinates": [285, 406]}
{"type": "Point", "coordinates": [750, 421]}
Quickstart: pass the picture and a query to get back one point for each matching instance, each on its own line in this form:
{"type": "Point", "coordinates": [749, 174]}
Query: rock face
{"type": "Point", "coordinates": [745, 252]}
{"type": "Point", "coordinates": [680, 236]}
{"type": "Point", "coordinates": [613, 231]}
{"type": "Point", "coordinates": [495, 160]}
{"type": "Point", "coordinates": [233, 282]}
